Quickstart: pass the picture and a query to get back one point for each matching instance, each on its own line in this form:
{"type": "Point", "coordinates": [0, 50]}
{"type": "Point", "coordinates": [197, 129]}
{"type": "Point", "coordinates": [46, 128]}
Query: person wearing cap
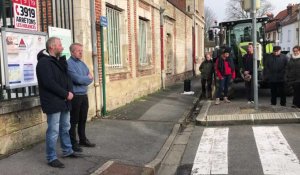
{"type": "Point", "coordinates": [225, 71]}
{"type": "Point", "coordinates": [274, 73]}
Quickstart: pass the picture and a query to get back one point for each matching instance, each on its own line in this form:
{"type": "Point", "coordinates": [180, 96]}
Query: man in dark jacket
{"type": "Point", "coordinates": [55, 95]}
{"type": "Point", "coordinates": [207, 69]}
{"type": "Point", "coordinates": [274, 73]}
{"type": "Point", "coordinates": [247, 69]}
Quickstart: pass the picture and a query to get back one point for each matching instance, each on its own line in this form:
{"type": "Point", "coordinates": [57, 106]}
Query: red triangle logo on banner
{"type": "Point", "coordinates": [22, 43]}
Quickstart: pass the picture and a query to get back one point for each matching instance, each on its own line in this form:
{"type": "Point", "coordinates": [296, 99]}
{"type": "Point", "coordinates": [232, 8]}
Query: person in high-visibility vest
{"type": "Point", "coordinates": [269, 48]}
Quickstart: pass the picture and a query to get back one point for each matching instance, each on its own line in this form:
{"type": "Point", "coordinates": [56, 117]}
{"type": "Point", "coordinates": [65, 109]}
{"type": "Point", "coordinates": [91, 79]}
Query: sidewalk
{"type": "Point", "coordinates": [240, 112]}
{"type": "Point", "coordinates": [137, 134]}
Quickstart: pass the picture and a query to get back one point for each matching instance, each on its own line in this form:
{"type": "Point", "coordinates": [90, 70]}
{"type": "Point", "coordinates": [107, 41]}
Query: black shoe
{"type": "Point", "coordinates": [87, 143]}
{"type": "Point", "coordinates": [76, 148]}
{"type": "Point", "coordinates": [73, 155]}
{"type": "Point", "coordinates": [56, 164]}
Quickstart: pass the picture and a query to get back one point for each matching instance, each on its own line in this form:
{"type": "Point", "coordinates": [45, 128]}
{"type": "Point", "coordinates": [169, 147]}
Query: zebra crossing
{"type": "Point", "coordinates": [276, 156]}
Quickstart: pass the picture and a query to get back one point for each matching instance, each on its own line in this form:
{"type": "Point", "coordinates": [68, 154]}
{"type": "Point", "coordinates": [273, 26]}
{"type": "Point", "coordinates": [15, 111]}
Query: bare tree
{"type": "Point", "coordinates": [210, 18]}
{"type": "Point", "coordinates": [235, 11]}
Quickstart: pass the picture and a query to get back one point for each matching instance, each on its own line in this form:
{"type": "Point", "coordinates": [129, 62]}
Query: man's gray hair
{"type": "Point", "coordinates": [72, 46]}
{"type": "Point", "coordinates": [51, 41]}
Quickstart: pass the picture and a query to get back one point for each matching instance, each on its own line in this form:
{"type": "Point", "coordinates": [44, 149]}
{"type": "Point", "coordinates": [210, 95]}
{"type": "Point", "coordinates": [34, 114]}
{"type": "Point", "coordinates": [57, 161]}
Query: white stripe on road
{"type": "Point", "coordinates": [211, 156]}
{"type": "Point", "coordinates": [275, 154]}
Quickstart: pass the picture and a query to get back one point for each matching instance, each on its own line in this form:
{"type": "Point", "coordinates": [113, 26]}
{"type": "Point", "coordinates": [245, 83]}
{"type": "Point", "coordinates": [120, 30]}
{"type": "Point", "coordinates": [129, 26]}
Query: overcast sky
{"type": "Point", "coordinates": [219, 6]}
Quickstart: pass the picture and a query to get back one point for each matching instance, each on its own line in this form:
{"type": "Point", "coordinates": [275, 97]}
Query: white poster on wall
{"type": "Point", "coordinates": [20, 49]}
{"type": "Point", "coordinates": [25, 14]}
{"type": "Point", "coordinates": [65, 36]}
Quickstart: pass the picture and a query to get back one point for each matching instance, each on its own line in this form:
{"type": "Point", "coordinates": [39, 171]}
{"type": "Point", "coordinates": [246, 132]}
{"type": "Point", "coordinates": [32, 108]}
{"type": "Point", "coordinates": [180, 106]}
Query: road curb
{"type": "Point", "coordinates": [250, 119]}
{"type": "Point", "coordinates": [189, 111]}
{"type": "Point", "coordinates": [104, 167]}
{"type": "Point", "coordinates": [201, 119]}
{"type": "Point", "coordinates": [156, 163]}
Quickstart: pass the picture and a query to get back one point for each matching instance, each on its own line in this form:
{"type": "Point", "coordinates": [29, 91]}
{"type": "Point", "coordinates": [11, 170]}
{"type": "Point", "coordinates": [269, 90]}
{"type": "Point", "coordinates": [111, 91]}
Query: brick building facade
{"type": "Point", "coordinates": [131, 79]}
{"type": "Point", "coordinates": [139, 34]}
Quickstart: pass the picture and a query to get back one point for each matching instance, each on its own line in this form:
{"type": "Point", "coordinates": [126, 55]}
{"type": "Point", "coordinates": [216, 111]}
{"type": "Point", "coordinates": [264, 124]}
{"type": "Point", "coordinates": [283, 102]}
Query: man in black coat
{"type": "Point", "coordinates": [247, 69]}
{"type": "Point", "coordinates": [274, 73]}
{"type": "Point", "coordinates": [55, 90]}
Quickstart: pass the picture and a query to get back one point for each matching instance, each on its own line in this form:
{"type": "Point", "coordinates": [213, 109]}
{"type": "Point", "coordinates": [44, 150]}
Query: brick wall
{"type": "Point", "coordinates": [98, 11]}
{"type": "Point", "coordinates": [132, 80]}
{"type": "Point", "coordinates": [182, 38]}
{"type": "Point", "coordinates": [180, 4]}
{"type": "Point", "coordinates": [44, 9]}
{"type": "Point", "coordinates": [135, 34]}
{"type": "Point", "coordinates": [129, 13]}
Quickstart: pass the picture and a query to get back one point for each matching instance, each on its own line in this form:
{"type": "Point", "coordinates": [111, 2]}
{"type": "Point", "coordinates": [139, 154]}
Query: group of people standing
{"type": "Point", "coordinates": [224, 69]}
{"type": "Point", "coordinates": [279, 71]}
{"type": "Point", "coordinates": [63, 96]}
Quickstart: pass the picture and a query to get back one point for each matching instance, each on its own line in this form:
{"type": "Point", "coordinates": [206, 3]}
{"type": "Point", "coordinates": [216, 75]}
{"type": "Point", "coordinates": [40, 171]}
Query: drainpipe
{"type": "Point", "coordinates": [194, 40]}
{"type": "Point", "coordinates": [163, 75]}
{"type": "Point", "coordinates": [103, 73]}
{"type": "Point", "coordinates": [194, 50]}
{"type": "Point", "coordinates": [95, 59]}
{"type": "Point", "coordinates": [298, 24]}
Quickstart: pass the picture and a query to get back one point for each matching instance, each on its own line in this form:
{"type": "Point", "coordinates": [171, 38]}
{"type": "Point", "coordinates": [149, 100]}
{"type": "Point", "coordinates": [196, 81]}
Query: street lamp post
{"type": "Point", "coordinates": [255, 84]}
{"type": "Point", "coordinates": [252, 6]}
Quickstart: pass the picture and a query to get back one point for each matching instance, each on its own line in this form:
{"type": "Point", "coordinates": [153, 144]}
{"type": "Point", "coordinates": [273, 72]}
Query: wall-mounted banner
{"type": "Point", "coordinates": [25, 14]}
{"type": "Point", "coordinates": [65, 36]}
{"type": "Point", "coordinates": [20, 49]}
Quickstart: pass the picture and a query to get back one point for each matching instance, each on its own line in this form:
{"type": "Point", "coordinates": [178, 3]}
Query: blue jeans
{"type": "Point", "coordinates": [58, 124]}
{"type": "Point", "coordinates": [223, 86]}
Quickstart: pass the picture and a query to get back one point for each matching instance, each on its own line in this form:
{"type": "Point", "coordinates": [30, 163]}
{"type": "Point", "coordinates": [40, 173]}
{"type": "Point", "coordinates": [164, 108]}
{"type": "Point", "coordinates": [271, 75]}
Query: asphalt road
{"type": "Point", "coordinates": [243, 149]}
{"type": "Point", "coordinates": [249, 150]}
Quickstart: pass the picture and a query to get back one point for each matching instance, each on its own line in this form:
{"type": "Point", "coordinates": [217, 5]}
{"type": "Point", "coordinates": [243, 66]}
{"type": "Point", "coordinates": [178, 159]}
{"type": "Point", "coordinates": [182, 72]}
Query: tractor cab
{"type": "Point", "coordinates": [238, 34]}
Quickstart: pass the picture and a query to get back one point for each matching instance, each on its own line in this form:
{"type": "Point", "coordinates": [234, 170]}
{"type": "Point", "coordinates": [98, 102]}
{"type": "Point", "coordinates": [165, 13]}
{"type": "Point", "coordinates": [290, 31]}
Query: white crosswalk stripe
{"type": "Point", "coordinates": [211, 156]}
{"type": "Point", "coordinates": [275, 154]}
